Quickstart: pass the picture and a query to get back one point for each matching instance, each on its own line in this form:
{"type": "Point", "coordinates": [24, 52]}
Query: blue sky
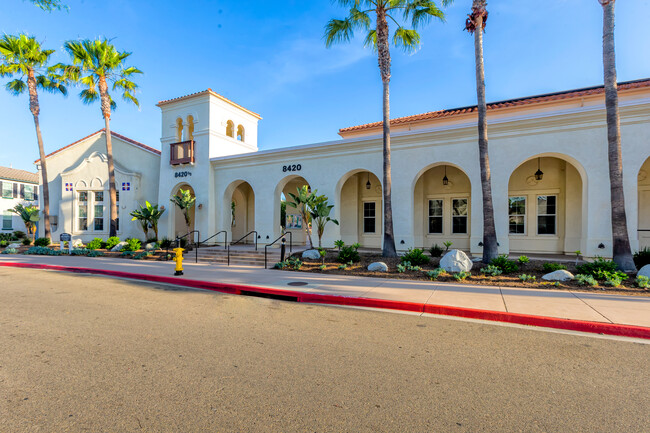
{"type": "Point", "coordinates": [270, 57]}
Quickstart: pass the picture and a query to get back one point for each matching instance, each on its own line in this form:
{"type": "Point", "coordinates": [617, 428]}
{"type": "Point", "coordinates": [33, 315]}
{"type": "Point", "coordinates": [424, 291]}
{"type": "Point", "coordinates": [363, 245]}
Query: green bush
{"type": "Point", "coordinates": [111, 242]}
{"type": "Point", "coordinates": [586, 280]}
{"type": "Point", "coordinates": [523, 260]}
{"type": "Point", "coordinates": [127, 253]}
{"type": "Point", "coordinates": [165, 243]}
{"type": "Point", "coordinates": [339, 244]}
{"type": "Point", "coordinates": [42, 242]}
{"type": "Point", "coordinates": [79, 252]}
{"type": "Point", "coordinates": [93, 253]}
{"type": "Point", "coordinates": [600, 264]}
{"type": "Point", "coordinates": [415, 257]}
{"type": "Point", "coordinates": [552, 267]}
{"type": "Point", "coordinates": [27, 241]}
{"type": "Point", "coordinates": [142, 255]}
{"type": "Point", "coordinates": [294, 263]}
{"type": "Point", "coordinates": [526, 278]}
{"type": "Point", "coordinates": [132, 244]}
{"type": "Point", "coordinates": [280, 265]}
{"type": "Point", "coordinates": [348, 254]}
{"type": "Point", "coordinates": [3, 243]}
{"type": "Point", "coordinates": [152, 241]}
{"type": "Point", "coordinates": [95, 244]}
{"type": "Point", "coordinates": [643, 282]}
{"type": "Point", "coordinates": [322, 267]}
{"type": "Point", "coordinates": [491, 271]}
{"type": "Point", "coordinates": [342, 267]}
{"type": "Point", "coordinates": [10, 251]}
{"type": "Point", "coordinates": [43, 251]}
{"type": "Point", "coordinates": [407, 266]}
{"type": "Point", "coordinates": [19, 235]}
{"type": "Point", "coordinates": [6, 237]}
{"type": "Point", "coordinates": [507, 266]}
{"type": "Point", "coordinates": [613, 281]}
{"type": "Point", "coordinates": [436, 250]}
{"type": "Point", "coordinates": [461, 276]}
{"type": "Point", "coordinates": [642, 258]}
{"type": "Point", "coordinates": [434, 274]}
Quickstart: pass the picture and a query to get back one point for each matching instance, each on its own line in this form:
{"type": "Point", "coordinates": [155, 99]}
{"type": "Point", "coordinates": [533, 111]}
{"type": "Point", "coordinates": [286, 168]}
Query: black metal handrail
{"type": "Point", "coordinates": [178, 243]}
{"type": "Point", "coordinates": [225, 242]}
{"type": "Point", "coordinates": [245, 236]}
{"type": "Point", "coordinates": [281, 237]}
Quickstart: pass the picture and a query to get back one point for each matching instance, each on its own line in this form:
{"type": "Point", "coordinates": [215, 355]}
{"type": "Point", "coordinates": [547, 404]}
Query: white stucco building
{"type": "Point", "coordinates": [209, 145]}
{"type": "Point", "coordinates": [16, 187]}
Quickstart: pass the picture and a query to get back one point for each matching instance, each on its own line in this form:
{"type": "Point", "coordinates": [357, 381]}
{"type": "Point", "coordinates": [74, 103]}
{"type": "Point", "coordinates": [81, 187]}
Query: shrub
{"type": "Point", "coordinates": [95, 244]}
{"type": "Point", "coordinates": [607, 275]}
{"type": "Point", "coordinates": [523, 260]}
{"type": "Point", "coordinates": [643, 282]}
{"type": "Point", "coordinates": [343, 267]}
{"type": "Point", "coordinates": [93, 253]}
{"type": "Point", "coordinates": [407, 266]}
{"type": "Point", "coordinates": [132, 244]}
{"type": "Point", "coordinates": [435, 250]}
{"type": "Point", "coordinates": [111, 242]}
{"type": "Point", "coordinates": [27, 241]}
{"type": "Point", "coordinates": [165, 243]}
{"type": "Point", "coordinates": [461, 276]}
{"type": "Point", "coordinates": [294, 263]}
{"type": "Point", "coordinates": [142, 255]}
{"type": "Point", "coordinates": [415, 257]}
{"type": "Point", "coordinates": [434, 274]}
{"type": "Point", "coordinates": [491, 270]}
{"type": "Point", "coordinates": [339, 244]}
{"type": "Point", "coordinates": [6, 237]}
{"type": "Point", "coordinates": [43, 251]}
{"type": "Point", "coordinates": [447, 244]}
{"type": "Point", "coordinates": [127, 253]}
{"type": "Point", "coordinates": [613, 281]}
{"type": "Point", "coordinates": [642, 258]}
{"type": "Point", "coordinates": [322, 267]}
{"type": "Point", "coordinates": [349, 254]}
{"type": "Point", "coordinates": [3, 243]}
{"type": "Point", "coordinates": [10, 251]}
{"type": "Point", "coordinates": [586, 280]}
{"type": "Point", "coordinates": [507, 266]}
{"type": "Point", "coordinates": [19, 235]}
{"type": "Point", "coordinates": [526, 278]}
{"type": "Point", "coordinates": [552, 267]}
{"type": "Point", "coordinates": [42, 242]}
{"type": "Point", "coordinates": [401, 268]}
{"type": "Point", "coordinates": [79, 252]}
{"type": "Point", "coordinates": [599, 264]}
{"type": "Point", "coordinates": [152, 241]}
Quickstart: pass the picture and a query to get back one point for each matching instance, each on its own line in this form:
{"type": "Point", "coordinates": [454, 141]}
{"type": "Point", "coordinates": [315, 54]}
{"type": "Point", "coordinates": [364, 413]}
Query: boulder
{"type": "Point", "coordinates": [378, 267]}
{"type": "Point", "coordinates": [644, 271]}
{"type": "Point", "coordinates": [311, 255]}
{"type": "Point", "coordinates": [14, 245]}
{"type": "Point", "coordinates": [456, 261]}
{"type": "Point", "coordinates": [77, 242]}
{"type": "Point", "coordinates": [119, 246]}
{"type": "Point", "coordinates": [151, 246]}
{"type": "Point", "coordinates": [560, 275]}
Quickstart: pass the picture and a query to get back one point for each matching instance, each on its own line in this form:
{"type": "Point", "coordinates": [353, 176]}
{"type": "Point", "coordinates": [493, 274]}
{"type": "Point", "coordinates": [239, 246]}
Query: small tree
{"type": "Point", "coordinates": [303, 201]}
{"type": "Point", "coordinates": [320, 214]}
{"type": "Point", "coordinates": [148, 215]}
{"type": "Point", "coordinates": [29, 215]}
{"type": "Point", "coordinates": [185, 202]}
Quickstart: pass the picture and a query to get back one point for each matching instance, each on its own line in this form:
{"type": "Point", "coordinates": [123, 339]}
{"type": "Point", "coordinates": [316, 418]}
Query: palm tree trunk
{"type": "Point", "coordinates": [621, 242]}
{"type": "Point", "coordinates": [490, 249]}
{"type": "Point", "coordinates": [35, 108]}
{"type": "Point", "coordinates": [106, 111]}
{"type": "Point", "coordinates": [383, 51]}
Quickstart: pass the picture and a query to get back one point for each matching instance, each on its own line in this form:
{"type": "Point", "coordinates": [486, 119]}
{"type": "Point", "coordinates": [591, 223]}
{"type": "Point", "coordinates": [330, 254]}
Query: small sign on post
{"type": "Point", "coordinates": [66, 237]}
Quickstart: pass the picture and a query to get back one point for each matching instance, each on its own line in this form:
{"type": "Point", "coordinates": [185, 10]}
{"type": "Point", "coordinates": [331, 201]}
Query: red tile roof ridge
{"type": "Point", "coordinates": [636, 84]}
{"type": "Point", "coordinates": [113, 134]}
{"type": "Point", "coordinates": [209, 91]}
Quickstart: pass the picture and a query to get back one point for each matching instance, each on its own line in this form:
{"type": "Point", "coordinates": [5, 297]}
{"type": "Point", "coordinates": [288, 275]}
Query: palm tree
{"type": "Point", "coordinates": [148, 215]}
{"type": "Point", "coordinates": [23, 58]}
{"type": "Point", "coordinates": [29, 215]}
{"type": "Point", "coordinates": [304, 201]}
{"type": "Point", "coordinates": [320, 214]}
{"type": "Point", "coordinates": [622, 253]}
{"type": "Point", "coordinates": [378, 36]}
{"type": "Point", "coordinates": [95, 65]}
{"type": "Point", "coordinates": [475, 24]}
{"type": "Point", "coordinates": [185, 202]}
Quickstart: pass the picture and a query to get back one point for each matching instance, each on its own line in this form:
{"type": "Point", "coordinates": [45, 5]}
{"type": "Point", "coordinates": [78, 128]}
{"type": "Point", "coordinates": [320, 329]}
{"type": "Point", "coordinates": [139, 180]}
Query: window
{"type": "Point", "coordinates": [546, 214]}
{"type": "Point", "coordinates": [98, 215]}
{"type": "Point", "coordinates": [179, 129]}
{"type": "Point", "coordinates": [369, 216]}
{"type": "Point", "coordinates": [459, 212]}
{"type": "Point", "coordinates": [6, 220]}
{"type": "Point", "coordinates": [230, 129]}
{"type": "Point", "coordinates": [82, 211]}
{"type": "Point", "coordinates": [7, 190]}
{"type": "Point", "coordinates": [240, 133]}
{"type": "Point", "coordinates": [517, 215]}
{"type": "Point", "coordinates": [190, 127]}
{"type": "Point", "coordinates": [29, 192]}
{"type": "Point", "coordinates": [117, 201]}
{"type": "Point", "coordinates": [435, 216]}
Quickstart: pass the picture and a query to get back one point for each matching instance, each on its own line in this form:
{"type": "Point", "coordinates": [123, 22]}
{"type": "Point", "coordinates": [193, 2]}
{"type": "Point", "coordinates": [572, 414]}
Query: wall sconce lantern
{"type": "Point", "coordinates": [368, 184]}
{"type": "Point", "coordinates": [401, 242]}
{"type": "Point", "coordinates": [445, 180]}
{"type": "Point", "coordinates": [539, 174]}
{"type": "Point", "coordinates": [309, 189]}
{"type": "Point", "coordinates": [200, 205]}
{"type": "Point", "coordinates": [601, 246]}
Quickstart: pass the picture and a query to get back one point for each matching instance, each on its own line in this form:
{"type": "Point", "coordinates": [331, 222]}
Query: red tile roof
{"type": "Point", "coordinates": [113, 134]}
{"type": "Point", "coordinates": [209, 92]}
{"type": "Point", "coordinates": [502, 104]}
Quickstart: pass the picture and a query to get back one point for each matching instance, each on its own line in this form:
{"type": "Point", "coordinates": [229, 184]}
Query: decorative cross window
{"type": "Point", "coordinates": [68, 187]}
{"type": "Point", "coordinates": [126, 186]}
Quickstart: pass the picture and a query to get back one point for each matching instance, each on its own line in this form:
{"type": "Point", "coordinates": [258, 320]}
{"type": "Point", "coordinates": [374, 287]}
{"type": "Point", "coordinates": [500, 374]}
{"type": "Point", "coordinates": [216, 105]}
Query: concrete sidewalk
{"type": "Point", "coordinates": [573, 305]}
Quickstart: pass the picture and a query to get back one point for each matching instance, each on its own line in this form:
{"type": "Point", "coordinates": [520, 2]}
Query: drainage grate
{"type": "Point", "coordinates": [269, 296]}
{"type": "Point", "coordinates": [297, 283]}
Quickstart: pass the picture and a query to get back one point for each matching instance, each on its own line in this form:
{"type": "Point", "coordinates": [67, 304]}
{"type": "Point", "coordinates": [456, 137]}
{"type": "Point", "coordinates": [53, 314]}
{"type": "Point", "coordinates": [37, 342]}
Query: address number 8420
{"type": "Point", "coordinates": [291, 167]}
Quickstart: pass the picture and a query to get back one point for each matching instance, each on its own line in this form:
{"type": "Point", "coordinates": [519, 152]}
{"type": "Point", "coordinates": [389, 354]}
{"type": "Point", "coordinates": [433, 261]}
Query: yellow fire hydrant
{"type": "Point", "coordinates": [179, 260]}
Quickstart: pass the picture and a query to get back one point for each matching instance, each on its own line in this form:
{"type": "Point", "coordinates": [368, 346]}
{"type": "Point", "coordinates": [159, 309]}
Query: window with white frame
{"type": "Point", "coordinates": [517, 215]}
{"type": "Point", "coordinates": [435, 216]}
{"type": "Point", "coordinates": [460, 210]}
{"type": "Point", "coordinates": [7, 218]}
{"type": "Point", "coordinates": [369, 217]}
{"type": "Point", "coordinates": [98, 211]}
{"type": "Point", "coordinates": [82, 210]}
{"type": "Point", "coordinates": [7, 189]}
{"type": "Point", "coordinates": [29, 192]}
{"type": "Point", "coordinates": [546, 214]}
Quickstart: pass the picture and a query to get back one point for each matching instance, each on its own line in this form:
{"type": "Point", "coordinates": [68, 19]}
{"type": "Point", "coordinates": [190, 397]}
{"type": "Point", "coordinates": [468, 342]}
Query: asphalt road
{"type": "Point", "coordinates": [82, 353]}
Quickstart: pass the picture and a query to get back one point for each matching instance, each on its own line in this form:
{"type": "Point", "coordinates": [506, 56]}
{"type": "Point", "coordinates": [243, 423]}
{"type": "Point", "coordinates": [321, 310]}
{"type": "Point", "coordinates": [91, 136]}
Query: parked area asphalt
{"type": "Point", "coordinates": [86, 353]}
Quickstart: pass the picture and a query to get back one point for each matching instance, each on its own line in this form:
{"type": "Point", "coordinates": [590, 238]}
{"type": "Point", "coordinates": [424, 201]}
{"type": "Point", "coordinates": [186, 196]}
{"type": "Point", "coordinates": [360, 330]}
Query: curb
{"type": "Point", "coordinates": [313, 298]}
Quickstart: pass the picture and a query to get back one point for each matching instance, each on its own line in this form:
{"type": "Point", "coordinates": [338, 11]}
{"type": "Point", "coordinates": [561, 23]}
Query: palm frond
{"type": "Point", "coordinates": [88, 96]}
{"type": "Point", "coordinates": [16, 87]}
{"type": "Point", "coordinates": [371, 40]}
{"type": "Point", "coordinates": [422, 11]}
{"type": "Point", "coordinates": [51, 83]}
{"type": "Point", "coordinates": [406, 39]}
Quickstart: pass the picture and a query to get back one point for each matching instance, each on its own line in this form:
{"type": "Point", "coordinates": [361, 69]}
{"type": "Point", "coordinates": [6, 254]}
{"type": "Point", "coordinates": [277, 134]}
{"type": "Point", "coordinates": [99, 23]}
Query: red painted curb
{"type": "Point", "coordinates": [313, 298]}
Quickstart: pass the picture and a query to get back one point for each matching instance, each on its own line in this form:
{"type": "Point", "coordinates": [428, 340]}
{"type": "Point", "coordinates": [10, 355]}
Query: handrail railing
{"type": "Point", "coordinates": [245, 236]}
{"type": "Point", "coordinates": [281, 255]}
{"type": "Point", "coordinates": [225, 242]}
{"type": "Point", "coordinates": [178, 243]}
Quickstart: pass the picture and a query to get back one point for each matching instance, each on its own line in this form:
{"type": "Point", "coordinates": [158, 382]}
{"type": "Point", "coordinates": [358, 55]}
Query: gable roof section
{"type": "Point", "coordinates": [209, 92]}
{"type": "Point", "coordinates": [18, 175]}
{"type": "Point", "coordinates": [102, 131]}
{"type": "Point", "coordinates": [529, 100]}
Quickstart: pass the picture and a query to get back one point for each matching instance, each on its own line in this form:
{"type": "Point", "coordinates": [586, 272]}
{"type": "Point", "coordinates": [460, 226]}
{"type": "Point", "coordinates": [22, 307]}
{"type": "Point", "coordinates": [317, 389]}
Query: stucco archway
{"type": "Point", "coordinates": [293, 221]}
{"type": "Point", "coordinates": [239, 210]}
{"type": "Point", "coordinates": [442, 195]}
{"type": "Point", "coordinates": [643, 182]}
{"type": "Point", "coordinates": [359, 205]}
{"type": "Point", "coordinates": [178, 225]}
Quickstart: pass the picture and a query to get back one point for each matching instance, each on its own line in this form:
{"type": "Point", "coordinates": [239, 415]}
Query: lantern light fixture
{"type": "Point", "coordinates": [445, 180]}
{"type": "Point", "coordinates": [368, 184]}
{"type": "Point", "coordinates": [539, 174]}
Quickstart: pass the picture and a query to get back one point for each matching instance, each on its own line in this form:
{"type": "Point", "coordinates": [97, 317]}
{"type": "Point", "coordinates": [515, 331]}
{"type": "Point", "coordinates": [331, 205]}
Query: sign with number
{"type": "Point", "coordinates": [182, 174]}
{"type": "Point", "coordinates": [291, 167]}
{"type": "Point", "coordinates": [65, 237]}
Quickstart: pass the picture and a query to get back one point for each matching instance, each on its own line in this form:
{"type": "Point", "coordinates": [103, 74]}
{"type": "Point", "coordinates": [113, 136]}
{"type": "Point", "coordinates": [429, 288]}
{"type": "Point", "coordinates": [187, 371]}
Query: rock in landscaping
{"type": "Point", "coordinates": [311, 255]}
{"type": "Point", "coordinates": [14, 245]}
{"type": "Point", "coordinates": [119, 246]}
{"type": "Point", "coordinates": [644, 271]}
{"type": "Point", "coordinates": [151, 247]}
{"type": "Point", "coordinates": [560, 275]}
{"type": "Point", "coordinates": [378, 267]}
{"type": "Point", "coordinates": [456, 261]}
{"type": "Point", "coordinates": [77, 242]}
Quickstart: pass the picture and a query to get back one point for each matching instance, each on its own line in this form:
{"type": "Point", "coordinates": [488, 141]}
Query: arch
{"type": "Point", "coordinates": [80, 184]}
{"type": "Point", "coordinates": [179, 130]}
{"type": "Point", "coordinates": [359, 209]}
{"type": "Point", "coordinates": [442, 201]}
{"type": "Point", "coordinates": [294, 222]}
{"type": "Point", "coordinates": [177, 220]}
{"type": "Point", "coordinates": [643, 186]}
{"type": "Point", "coordinates": [96, 183]}
{"type": "Point", "coordinates": [190, 127]}
{"type": "Point", "coordinates": [241, 134]}
{"type": "Point", "coordinates": [239, 209]}
{"type": "Point", "coordinates": [547, 215]}
{"type": "Point", "coordinates": [230, 129]}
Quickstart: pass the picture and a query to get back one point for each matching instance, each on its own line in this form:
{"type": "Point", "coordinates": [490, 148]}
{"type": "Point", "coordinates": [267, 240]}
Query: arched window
{"type": "Point", "coordinates": [240, 133]}
{"type": "Point", "coordinates": [179, 130]}
{"type": "Point", "coordinates": [190, 127]}
{"type": "Point", "coordinates": [230, 129]}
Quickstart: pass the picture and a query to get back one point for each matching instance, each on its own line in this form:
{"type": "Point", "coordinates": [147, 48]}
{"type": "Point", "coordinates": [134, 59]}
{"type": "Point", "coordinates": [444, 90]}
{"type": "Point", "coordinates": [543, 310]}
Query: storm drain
{"type": "Point", "coordinates": [269, 296]}
{"type": "Point", "coordinates": [297, 283]}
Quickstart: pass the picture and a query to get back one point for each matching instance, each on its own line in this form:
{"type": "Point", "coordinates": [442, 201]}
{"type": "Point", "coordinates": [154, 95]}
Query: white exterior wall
{"type": "Point", "coordinates": [9, 203]}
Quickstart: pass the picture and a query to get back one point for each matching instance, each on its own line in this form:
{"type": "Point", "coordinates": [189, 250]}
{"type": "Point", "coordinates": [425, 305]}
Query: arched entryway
{"type": "Point", "coordinates": [293, 221]}
{"type": "Point", "coordinates": [360, 209]}
{"type": "Point", "coordinates": [239, 211]}
{"type": "Point", "coordinates": [643, 180]}
{"type": "Point", "coordinates": [442, 203]}
{"type": "Point", "coordinates": [545, 206]}
{"type": "Point", "coordinates": [180, 226]}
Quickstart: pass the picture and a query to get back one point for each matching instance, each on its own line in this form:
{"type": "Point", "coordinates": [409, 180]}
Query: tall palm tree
{"type": "Point", "coordinates": [95, 65]}
{"type": "Point", "coordinates": [621, 242]}
{"type": "Point", "coordinates": [475, 24]}
{"type": "Point", "coordinates": [24, 59]}
{"type": "Point", "coordinates": [418, 12]}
